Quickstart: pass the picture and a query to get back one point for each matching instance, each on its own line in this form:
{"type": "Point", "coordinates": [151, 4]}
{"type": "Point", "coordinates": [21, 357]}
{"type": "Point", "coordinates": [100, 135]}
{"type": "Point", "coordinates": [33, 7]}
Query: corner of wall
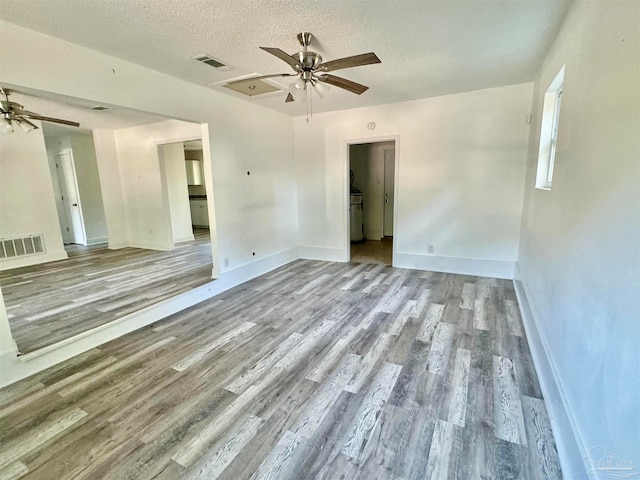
{"type": "Point", "coordinates": [563, 425]}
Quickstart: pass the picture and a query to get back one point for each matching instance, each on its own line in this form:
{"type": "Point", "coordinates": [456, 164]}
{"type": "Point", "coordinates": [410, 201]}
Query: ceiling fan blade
{"type": "Point", "coordinates": [25, 113]}
{"type": "Point", "coordinates": [343, 83]}
{"type": "Point", "coordinates": [33, 125]}
{"type": "Point", "coordinates": [289, 99]}
{"type": "Point", "coordinates": [348, 62]}
{"type": "Point", "coordinates": [273, 75]}
{"type": "Point", "coordinates": [51, 119]}
{"type": "Point", "coordinates": [282, 55]}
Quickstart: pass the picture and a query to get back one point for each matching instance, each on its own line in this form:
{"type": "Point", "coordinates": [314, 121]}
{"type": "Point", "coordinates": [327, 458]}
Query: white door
{"type": "Point", "coordinates": [72, 225]}
{"type": "Point", "coordinates": [389, 172]}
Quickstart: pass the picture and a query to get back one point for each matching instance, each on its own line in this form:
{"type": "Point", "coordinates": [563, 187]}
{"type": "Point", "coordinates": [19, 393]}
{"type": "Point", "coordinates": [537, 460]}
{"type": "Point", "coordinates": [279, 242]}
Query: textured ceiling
{"type": "Point", "coordinates": [427, 47]}
{"type": "Point", "coordinates": [67, 108]}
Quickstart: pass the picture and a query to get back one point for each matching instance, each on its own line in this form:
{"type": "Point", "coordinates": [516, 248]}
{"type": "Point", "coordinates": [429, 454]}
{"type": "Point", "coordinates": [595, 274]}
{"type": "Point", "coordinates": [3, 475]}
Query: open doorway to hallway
{"type": "Point", "coordinates": [371, 206]}
{"type": "Point", "coordinates": [76, 185]}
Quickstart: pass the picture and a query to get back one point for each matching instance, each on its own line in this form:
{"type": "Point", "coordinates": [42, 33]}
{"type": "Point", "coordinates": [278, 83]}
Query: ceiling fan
{"type": "Point", "coordinates": [313, 74]}
{"type": "Point", "coordinates": [15, 114]}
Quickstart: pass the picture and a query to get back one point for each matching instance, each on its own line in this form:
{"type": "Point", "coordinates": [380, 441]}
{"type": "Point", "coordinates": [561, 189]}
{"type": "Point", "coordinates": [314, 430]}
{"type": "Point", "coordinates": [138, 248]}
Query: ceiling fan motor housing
{"type": "Point", "coordinates": [309, 60]}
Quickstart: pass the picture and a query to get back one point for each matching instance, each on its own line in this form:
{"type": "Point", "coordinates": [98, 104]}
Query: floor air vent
{"type": "Point", "coordinates": [21, 246]}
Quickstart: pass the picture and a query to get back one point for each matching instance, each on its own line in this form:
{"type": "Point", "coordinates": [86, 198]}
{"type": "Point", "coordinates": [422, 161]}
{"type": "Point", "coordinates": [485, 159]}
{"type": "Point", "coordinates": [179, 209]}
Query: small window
{"type": "Point", "coordinates": [549, 132]}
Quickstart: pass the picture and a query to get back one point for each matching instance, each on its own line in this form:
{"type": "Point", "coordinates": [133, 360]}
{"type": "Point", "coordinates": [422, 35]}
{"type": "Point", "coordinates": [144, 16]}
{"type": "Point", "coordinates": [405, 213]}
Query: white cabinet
{"type": "Point", "coordinates": [199, 212]}
{"type": "Point", "coordinates": [194, 172]}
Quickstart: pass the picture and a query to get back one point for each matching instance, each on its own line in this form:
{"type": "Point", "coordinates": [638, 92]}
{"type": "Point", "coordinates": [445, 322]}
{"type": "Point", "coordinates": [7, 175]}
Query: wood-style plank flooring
{"type": "Point", "coordinates": [52, 301]}
{"type": "Point", "coordinates": [316, 370]}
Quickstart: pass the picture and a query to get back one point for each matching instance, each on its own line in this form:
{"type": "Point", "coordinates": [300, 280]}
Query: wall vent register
{"type": "Point", "coordinates": [21, 246]}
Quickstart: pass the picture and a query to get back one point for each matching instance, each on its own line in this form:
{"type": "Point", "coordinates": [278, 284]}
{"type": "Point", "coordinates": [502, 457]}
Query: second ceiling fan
{"type": "Point", "coordinates": [312, 73]}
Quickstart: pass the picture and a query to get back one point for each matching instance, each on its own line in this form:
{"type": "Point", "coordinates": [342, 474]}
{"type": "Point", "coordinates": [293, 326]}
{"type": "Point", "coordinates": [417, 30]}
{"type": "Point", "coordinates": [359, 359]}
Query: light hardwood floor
{"type": "Point", "coordinates": [49, 302]}
{"type": "Point", "coordinates": [316, 370]}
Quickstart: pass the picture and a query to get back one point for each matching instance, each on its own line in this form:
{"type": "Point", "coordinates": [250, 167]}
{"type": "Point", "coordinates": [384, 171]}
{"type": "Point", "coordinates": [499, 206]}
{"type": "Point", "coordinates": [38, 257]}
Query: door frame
{"type": "Point", "coordinates": [393, 196]}
{"type": "Point", "coordinates": [170, 241]}
{"type": "Point", "coordinates": [346, 241]}
{"type": "Point", "coordinates": [62, 191]}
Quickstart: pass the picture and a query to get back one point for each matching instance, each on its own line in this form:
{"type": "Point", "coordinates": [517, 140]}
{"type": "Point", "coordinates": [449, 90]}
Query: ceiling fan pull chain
{"type": "Point", "coordinates": [306, 87]}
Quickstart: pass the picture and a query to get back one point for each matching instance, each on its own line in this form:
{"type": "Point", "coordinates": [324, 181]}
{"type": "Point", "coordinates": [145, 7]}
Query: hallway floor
{"type": "Point", "coordinates": [373, 251]}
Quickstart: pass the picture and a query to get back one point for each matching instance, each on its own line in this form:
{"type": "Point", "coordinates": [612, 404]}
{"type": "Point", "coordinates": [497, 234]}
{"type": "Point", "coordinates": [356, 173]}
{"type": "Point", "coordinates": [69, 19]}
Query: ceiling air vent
{"type": "Point", "coordinates": [212, 62]}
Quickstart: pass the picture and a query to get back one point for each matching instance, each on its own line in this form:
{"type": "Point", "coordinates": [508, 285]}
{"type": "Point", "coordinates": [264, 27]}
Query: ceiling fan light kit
{"type": "Point", "coordinates": [15, 114]}
{"type": "Point", "coordinates": [8, 125]}
{"type": "Point", "coordinates": [312, 72]}
{"type": "Point", "coordinates": [297, 88]}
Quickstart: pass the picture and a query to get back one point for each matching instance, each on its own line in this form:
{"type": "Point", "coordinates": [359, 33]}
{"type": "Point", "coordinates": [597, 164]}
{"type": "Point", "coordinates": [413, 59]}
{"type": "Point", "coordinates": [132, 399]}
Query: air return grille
{"type": "Point", "coordinates": [251, 87]}
{"type": "Point", "coordinates": [21, 246]}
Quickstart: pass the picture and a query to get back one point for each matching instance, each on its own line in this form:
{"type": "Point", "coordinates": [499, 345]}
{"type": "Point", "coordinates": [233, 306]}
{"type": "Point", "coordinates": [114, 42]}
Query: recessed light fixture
{"type": "Point", "coordinates": [371, 125]}
{"type": "Point", "coordinates": [100, 108]}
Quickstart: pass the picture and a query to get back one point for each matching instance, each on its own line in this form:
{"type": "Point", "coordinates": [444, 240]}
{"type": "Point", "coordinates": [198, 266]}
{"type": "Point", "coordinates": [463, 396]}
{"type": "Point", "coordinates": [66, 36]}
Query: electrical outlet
{"type": "Point", "coordinates": [226, 262]}
{"type": "Point", "coordinates": [430, 248]}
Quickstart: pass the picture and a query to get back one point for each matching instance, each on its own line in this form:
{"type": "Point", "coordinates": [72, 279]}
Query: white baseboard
{"type": "Point", "coordinates": [184, 238]}
{"type": "Point", "coordinates": [570, 447]}
{"type": "Point", "coordinates": [465, 266]}
{"type": "Point", "coordinates": [323, 253]}
{"type": "Point", "coordinates": [15, 368]}
{"type": "Point", "coordinates": [97, 240]}
{"type": "Point", "coordinates": [32, 260]}
{"type": "Point", "coordinates": [117, 245]}
{"type": "Point", "coordinates": [151, 246]}
{"type": "Point", "coordinates": [235, 276]}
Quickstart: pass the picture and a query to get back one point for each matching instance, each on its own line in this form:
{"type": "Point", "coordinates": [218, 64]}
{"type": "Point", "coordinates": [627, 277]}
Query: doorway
{"type": "Point", "coordinates": [69, 210]}
{"type": "Point", "coordinates": [76, 185]}
{"type": "Point", "coordinates": [372, 200]}
{"type": "Point", "coordinates": [184, 191]}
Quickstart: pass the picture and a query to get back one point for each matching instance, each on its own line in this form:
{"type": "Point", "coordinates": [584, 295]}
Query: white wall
{"type": "Point", "coordinates": [140, 170]}
{"type": "Point", "coordinates": [460, 163]}
{"type": "Point", "coordinates": [579, 257]}
{"type": "Point", "coordinates": [111, 187]}
{"type": "Point", "coordinates": [255, 215]}
{"type": "Point", "coordinates": [175, 178]}
{"type": "Point", "coordinates": [84, 156]}
{"type": "Point", "coordinates": [27, 204]}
